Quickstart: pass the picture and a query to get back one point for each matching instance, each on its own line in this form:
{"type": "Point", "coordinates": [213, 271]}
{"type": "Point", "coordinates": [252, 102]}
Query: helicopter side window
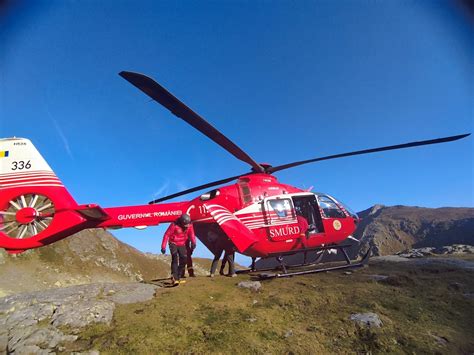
{"type": "Point", "coordinates": [330, 208]}
{"type": "Point", "coordinates": [281, 207]}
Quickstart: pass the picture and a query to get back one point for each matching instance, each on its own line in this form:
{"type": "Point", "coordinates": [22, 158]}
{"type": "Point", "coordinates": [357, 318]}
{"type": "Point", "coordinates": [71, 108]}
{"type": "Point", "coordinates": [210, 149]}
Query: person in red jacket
{"type": "Point", "coordinates": [177, 234]}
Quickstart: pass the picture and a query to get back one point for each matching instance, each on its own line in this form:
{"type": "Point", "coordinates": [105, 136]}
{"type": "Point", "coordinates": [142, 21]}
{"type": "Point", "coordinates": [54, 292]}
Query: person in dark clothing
{"type": "Point", "coordinates": [189, 260]}
{"type": "Point", "coordinates": [227, 247]}
{"type": "Point", "coordinates": [177, 235]}
{"type": "Point", "coordinates": [229, 257]}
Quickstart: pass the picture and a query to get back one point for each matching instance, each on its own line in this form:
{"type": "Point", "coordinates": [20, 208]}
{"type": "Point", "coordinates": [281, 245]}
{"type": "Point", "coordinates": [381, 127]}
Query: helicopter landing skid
{"type": "Point", "coordinates": [349, 265]}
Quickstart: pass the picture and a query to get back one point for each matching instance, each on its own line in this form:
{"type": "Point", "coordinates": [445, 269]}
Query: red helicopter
{"type": "Point", "coordinates": [257, 215]}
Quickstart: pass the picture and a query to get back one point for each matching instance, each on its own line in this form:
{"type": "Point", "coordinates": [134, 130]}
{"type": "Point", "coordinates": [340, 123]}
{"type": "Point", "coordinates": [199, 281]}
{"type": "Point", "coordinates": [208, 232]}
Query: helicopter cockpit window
{"type": "Point", "coordinates": [282, 207]}
{"type": "Point", "coordinates": [347, 208]}
{"type": "Point", "coordinates": [330, 208]}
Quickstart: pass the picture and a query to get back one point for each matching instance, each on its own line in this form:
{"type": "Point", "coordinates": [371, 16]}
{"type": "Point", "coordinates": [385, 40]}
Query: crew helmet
{"type": "Point", "coordinates": [184, 220]}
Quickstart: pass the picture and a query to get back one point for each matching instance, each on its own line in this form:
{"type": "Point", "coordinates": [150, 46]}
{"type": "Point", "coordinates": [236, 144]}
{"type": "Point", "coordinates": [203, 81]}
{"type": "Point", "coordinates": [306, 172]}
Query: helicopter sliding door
{"type": "Point", "coordinates": [280, 218]}
{"type": "Point", "coordinates": [307, 207]}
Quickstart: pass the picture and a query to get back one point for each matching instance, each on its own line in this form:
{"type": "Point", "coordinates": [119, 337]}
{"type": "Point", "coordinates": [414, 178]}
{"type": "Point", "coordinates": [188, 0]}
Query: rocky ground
{"type": "Point", "coordinates": [398, 304]}
{"type": "Point", "coordinates": [42, 322]}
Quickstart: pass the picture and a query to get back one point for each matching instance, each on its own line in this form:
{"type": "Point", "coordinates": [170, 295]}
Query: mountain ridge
{"type": "Point", "coordinates": [391, 229]}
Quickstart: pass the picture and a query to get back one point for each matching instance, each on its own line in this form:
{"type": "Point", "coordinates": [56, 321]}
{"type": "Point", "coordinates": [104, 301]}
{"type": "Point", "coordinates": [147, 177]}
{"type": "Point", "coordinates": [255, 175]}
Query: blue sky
{"type": "Point", "coordinates": [284, 80]}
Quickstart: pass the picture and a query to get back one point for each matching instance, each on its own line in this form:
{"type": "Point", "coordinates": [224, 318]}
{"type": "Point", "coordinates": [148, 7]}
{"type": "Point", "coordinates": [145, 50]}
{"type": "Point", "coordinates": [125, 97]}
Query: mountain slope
{"type": "Point", "coordinates": [388, 230]}
{"type": "Point", "coordinates": [89, 256]}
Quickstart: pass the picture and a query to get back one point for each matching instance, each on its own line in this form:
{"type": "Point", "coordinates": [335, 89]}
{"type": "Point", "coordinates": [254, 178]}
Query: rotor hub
{"type": "Point", "coordinates": [26, 215]}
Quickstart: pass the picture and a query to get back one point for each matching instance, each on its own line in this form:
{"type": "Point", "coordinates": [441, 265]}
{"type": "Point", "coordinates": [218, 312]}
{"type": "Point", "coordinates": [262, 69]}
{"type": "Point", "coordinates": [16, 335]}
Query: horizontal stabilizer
{"type": "Point", "coordinates": [93, 212]}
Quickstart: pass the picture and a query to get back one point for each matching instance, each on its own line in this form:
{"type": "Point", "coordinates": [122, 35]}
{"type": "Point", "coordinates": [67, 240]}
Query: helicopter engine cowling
{"type": "Point", "coordinates": [35, 207]}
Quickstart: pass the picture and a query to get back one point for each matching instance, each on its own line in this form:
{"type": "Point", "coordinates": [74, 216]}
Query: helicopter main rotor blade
{"type": "Point", "coordinates": [179, 109]}
{"type": "Point", "coordinates": [367, 151]}
{"type": "Point", "coordinates": [193, 189]}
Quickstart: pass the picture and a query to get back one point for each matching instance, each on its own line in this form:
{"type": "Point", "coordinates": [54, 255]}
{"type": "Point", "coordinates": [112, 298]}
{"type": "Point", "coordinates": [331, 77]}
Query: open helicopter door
{"type": "Point", "coordinates": [307, 207]}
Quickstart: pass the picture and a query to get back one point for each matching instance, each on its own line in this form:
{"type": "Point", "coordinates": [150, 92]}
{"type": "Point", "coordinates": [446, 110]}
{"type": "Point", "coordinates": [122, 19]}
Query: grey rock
{"type": "Point", "coordinates": [288, 333]}
{"type": "Point", "coordinates": [75, 307]}
{"type": "Point", "coordinates": [368, 320]}
{"type": "Point", "coordinates": [251, 285]}
{"type": "Point", "coordinates": [32, 349]}
{"type": "Point", "coordinates": [376, 277]}
{"type": "Point", "coordinates": [131, 293]}
{"type": "Point", "coordinates": [43, 338]}
{"type": "Point", "coordinates": [375, 209]}
{"type": "Point", "coordinates": [3, 343]}
{"type": "Point", "coordinates": [17, 335]}
{"type": "Point", "coordinates": [80, 314]}
{"type": "Point", "coordinates": [455, 249]}
{"type": "Point", "coordinates": [414, 253]}
{"type": "Point", "coordinates": [440, 340]}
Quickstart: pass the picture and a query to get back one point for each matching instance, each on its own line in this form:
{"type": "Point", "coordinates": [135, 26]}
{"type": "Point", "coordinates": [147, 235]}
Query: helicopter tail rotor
{"type": "Point", "coordinates": [35, 207]}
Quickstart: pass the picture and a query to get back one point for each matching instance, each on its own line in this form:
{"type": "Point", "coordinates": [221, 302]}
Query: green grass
{"type": "Point", "coordinates": [299, 315]}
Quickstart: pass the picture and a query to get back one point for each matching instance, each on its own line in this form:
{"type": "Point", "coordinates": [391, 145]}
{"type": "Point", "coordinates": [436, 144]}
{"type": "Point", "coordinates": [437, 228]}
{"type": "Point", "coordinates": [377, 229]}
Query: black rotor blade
{"type": "Point", "coordinates": [367, 151]}
{"type": "Point", "coordinates": [179, 109]}
{"type": "Point", "coordinates": [193, 189]}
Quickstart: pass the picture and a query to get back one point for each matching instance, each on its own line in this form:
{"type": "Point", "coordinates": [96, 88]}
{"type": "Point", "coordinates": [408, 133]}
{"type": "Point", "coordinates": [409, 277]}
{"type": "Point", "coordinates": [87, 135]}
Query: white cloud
{"type": "Point", "coordinates": [61, 134]}
{"type": "Point", "coordinates": [163, 189]}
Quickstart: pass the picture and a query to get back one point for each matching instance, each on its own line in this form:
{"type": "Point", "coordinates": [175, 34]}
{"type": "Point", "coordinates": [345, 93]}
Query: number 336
{"type": "Point", "coordinates": [21, 165]}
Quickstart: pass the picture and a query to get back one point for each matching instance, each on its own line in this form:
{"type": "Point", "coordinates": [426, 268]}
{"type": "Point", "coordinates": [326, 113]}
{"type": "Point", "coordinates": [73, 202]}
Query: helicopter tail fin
{"type": "Point", "coordinates": [238, 233]}
{"type": "Point", "coordinates": [35, 207]}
